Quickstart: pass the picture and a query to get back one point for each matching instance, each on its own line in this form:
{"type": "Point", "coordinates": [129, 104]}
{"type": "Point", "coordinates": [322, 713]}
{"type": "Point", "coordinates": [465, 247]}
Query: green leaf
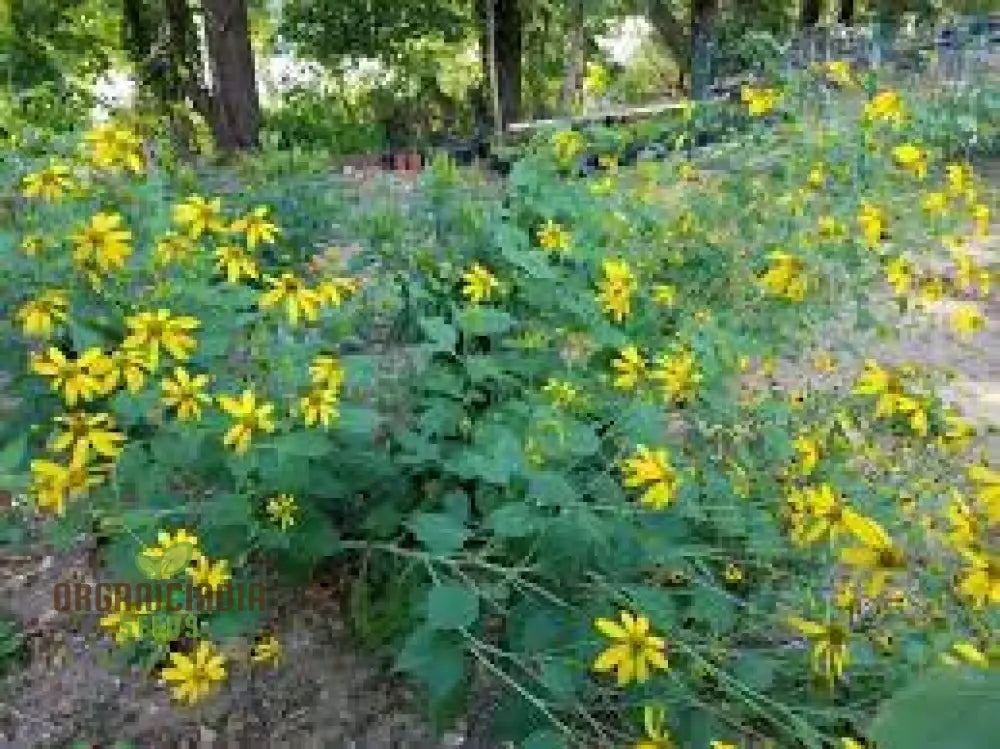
{"type": "Point", "coordinates": [484, 321]}
{"type": "Point", "coordinates": [13, 453]}
{"type": "Point", "coordinates": [452, 606]}
{"type": "Point", "coordinates": [440, 333]}
{"type": "Point", "coordinates": [514, 520]}
{"type": "Point", "coordinates": [560, 679]}
{"type": "Point", "coordinates": [544, 738]}
{"type": "Point", "coordinates": [311, 443]}
{"type": "Point", "coordinates": [948, 707]}
{"type": "Point", "coordinates": [756, 671]}
{"type": "Point", "coordinates": [357, 420]}
{"type": "Point", "coordinates": [435, 659]}
{"type": "Point", "coordinates": [438, 532]}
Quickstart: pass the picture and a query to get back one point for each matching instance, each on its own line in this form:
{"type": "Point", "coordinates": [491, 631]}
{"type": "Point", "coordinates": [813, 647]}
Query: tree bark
{"type": "Point", "coordinates": [846, 16]}
{"type": "Point", "coordinates": [575, 58]}
{"type": "Point", "coordinates": [672, 33]}
{"type": "Point", "coordinates": [810, 13]}
{"type": "Point", "coordinates": [703, 14]}
{"type": "Point", "coordinates": [235, 104]}
{"type": "Point", "coordinates": [509, 42]}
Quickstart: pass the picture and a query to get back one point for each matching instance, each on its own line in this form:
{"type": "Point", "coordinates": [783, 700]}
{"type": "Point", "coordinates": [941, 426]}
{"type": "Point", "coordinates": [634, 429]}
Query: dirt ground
{"type": "Point", "coordinates": [327, 693]}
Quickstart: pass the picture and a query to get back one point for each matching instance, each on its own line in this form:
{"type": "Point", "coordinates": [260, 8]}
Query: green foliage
{"type": "Point", "coordinates": [946, 707]}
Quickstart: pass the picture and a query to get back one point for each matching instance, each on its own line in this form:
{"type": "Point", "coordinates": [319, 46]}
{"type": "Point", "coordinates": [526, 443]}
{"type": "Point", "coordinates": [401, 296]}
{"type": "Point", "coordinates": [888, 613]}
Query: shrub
{"type": "Point", "coordinates": [546, 424]}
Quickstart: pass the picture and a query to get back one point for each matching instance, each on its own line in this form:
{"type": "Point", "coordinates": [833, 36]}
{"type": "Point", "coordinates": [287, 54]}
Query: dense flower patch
{"type": "Point", "coordinates": [564, 465]}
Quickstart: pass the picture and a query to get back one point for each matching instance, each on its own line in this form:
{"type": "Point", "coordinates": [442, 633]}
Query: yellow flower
{"type": "Point", "coordinates": [267, 650]}
{"type": "Point", "coordinates": [319, 406]}
{"type": "Point", "coordinates": [838, 71]}
{"type": "Point", "coordinates": [198, 216]}
{"type": "Point", "coordinates": [149, 331]}
{"type": "Point", "coordinates": [785, 277]}
{"type": "Point", "coordinates": [829, 227]}
{"type": "Point", "coordinates": [186, 394]}
{"type": "Point", "coordinates": [49, 184]}
{"type": "Point", "coordinates": [83, 432]}
{"type": "Point", "coordinates": [103, 243]}
{"type": "Point", "coordinates": [125, 621]}
{"type": "Point", "coordinates": [958, 432]}
{"type": "Point", "coordinates": [194, 675]}
{"type": "Point", "coordinates": [873, 223]}
{"type": "Point", "coordinates": [112, 146]}
{"type": "Point", "coordinates": [878, 556]}
{"type": "Point", "coordinates": [256, 227]}
{"type": "Point", "coordinates": [817, 176]}
{"type": "Point", "coordinates": [654, 724]}
{"type": "Point", "coordinates": [885, 106]}
{"type": "Point", "coordinates": [173, 248]}
{"type": "Point", "coordinates": [629, 368]}
{"type": "Point", "coordinates": [567, 145]}
{"type": "Point", "coordinates": [932, 290]}
{"type": "Point", "coordinates": [935, 203]}
{"type": "Point", "coordinates": [980, 580]}
{"type": "Point", "coordinates": [33, 245]}
{"type": "Point", "coordinates": [39, 316]}
{"type": "Point", "coordinates": [326, 371]}
{"type": "Point", "coordinates": [717, 744]}
{"type": "Point", "coordinates": [616, 288]}
{"type": "Point", "coordinates": [808, 453]}
{"type": "Point", "coordinates": [236, 263]}
{"type": "Point", "coordinates": [633, 650]}
{"type": "Point", "coordinates": [665, 294]}
{"type": "Point", "coordinates": [299, 300]}
{"type": "Point", "coordinates": [846, 742]}
{"type": "Point", "coordinates": [830, 653]}
{"type": "Point", "coordinates": [335, 290]}
{"type": "Point", "coordinates": [651, 470]}
{"type": "Point", "coordinates": [966, 653]}
{"type": "Point", "coordinates": [824, 362]}
{"type": "Point", "coordinates": [981, 219]}
{"type": "Point", "coordinates": [987, 483]}
{"type": "Point", "coordinates": [205, 573]}
{"type": "Point", "coordinates": [759, 101]}
{"type": "Point", "coordinates": [78, 379]}
{"type": "Point", "coordinates": [553, 237]}
{"type": "Point", "coordinates": [677, 374]}
{"type": "Point", "coordinates": [167, 541]}
{"type": "Point", "coordinates": [820, 513]}
{"type": "Point", "coordinates": [282, 510]}
{"type": "Point", "coordinates": [126, 366]}
{"type": "Point", "coordinates": [960, 179]}
{"type": "Point", "coordinates": [899, 275]}
{"type": "Point", "coordinates": [912, 159]}
{"type": "Point", "coordinates": [249, 416]}
{"type": "Point", "coordinates": [966, 319]}
{"type": "Point", "coordinates": [479, 284]}
{"type": "Point", "coordinates": [733, 573]}
{"type": "Point", "coordinates": [873, 380]}
{"type": "Point", "coordinates": [561, 392]}
{"type": "Point", "coordinates": [53, 484]}
{"type": "Point", "coordinates": [969, 275]}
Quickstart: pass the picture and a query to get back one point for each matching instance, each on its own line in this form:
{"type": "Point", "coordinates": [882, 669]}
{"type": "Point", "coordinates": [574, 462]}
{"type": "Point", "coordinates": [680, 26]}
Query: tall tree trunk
{"type": "Point", "coordinates": [703, 14]}
{"type": "Point", "coordinates": [235, 105]}
{"type": "Point", "coordinates": [846, 16]}
{"type": "Point", "coordinates": [809, 15]}
{"type": "Point", "coordinates": [509, 42]}
{"type": "Point", "coordinates": [672, 34]}
{"type": "Point", "coordinates": [575, 58]}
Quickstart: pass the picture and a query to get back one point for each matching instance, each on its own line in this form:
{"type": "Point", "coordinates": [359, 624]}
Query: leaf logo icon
{"type": "Point", "coordinates": [174, 559]}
